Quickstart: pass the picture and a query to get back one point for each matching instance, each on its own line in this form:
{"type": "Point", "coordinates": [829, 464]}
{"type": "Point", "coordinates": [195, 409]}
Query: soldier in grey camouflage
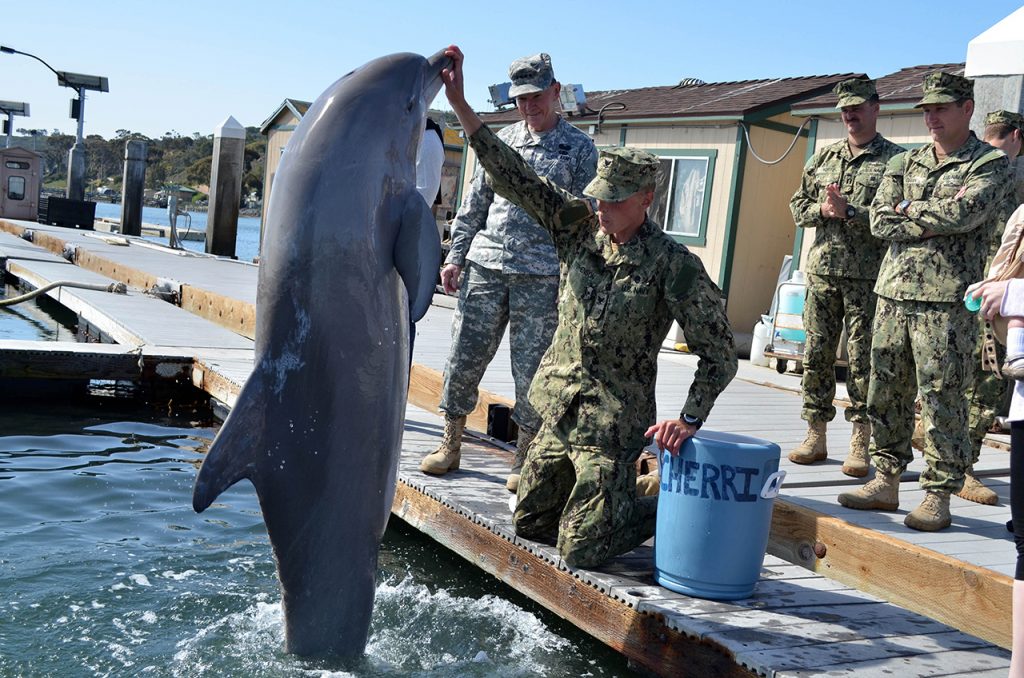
{"type": "Point", "coordinates": [988, 392]}
{"type": "Point", "coordinates": [936, 206]}
{"type": "Point", "coordinates": [834, 198]}
{"type": "Point", "coordinates": [625, 281]}
{"type": "Point", "coordinates": [508, 265]}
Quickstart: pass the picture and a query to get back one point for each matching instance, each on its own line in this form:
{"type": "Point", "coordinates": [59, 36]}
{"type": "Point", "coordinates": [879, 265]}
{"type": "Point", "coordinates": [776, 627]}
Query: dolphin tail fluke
{"type": "Point", "coordinates": [232, 453]}
{"type": "Point", "coordinates": [418, 254]}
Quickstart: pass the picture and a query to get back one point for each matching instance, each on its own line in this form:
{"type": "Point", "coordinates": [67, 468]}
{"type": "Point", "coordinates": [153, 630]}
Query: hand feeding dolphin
{"type": "Point", "coordinates": [350, 252]}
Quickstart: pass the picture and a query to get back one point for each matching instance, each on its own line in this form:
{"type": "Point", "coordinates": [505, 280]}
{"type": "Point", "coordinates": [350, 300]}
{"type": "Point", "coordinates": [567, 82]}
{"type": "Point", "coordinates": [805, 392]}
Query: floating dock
{"type": "Point", "coordinates": [843, 592]}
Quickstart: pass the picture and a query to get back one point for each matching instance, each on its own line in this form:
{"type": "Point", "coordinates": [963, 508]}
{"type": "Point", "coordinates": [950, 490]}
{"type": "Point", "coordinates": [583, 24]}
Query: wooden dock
{"type": "Point", "coordinates": [825, 605]}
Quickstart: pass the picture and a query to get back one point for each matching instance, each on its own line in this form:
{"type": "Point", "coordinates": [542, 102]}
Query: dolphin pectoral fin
{"type": "Point", "coordinates": [417, 254]}
{"type": "Point", "coordinates": [232, 454]}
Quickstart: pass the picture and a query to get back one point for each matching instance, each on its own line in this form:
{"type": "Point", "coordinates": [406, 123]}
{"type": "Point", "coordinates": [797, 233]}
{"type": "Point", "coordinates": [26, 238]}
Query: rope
{"type": "Point", "coordinates": [116, 288]}
{"type": "Point", "coordinates": [796, 137]}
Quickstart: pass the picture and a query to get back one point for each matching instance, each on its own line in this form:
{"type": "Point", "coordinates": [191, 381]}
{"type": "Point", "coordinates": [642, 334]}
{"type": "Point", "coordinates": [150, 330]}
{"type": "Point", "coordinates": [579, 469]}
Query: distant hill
{"type": "Point", "coordinates": [172, 159]}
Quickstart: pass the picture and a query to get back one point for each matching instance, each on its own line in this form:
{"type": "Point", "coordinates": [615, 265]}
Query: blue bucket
{"type": "Point", "coordinates": [715, 513]}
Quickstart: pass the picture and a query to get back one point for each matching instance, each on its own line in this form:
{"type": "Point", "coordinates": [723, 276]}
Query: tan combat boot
{"type": "Point", "coordinates": [882, 493]}
{"type": "Point", "coordinates": [974, 491]}
{"type": "Point", "coordinates": [932, 515]}
{"type": "Point", "coordinates": [812, 449]}
{"type": "Point", "coordinates": [858, 460]}
{"type": "Point", "coordinates": [448, 454]}
{"type": "Point", "coordinates": [526, 437]}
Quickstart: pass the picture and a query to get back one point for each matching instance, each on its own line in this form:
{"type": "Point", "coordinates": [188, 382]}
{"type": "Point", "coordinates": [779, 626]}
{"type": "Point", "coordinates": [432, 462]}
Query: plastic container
{"type": "Point", "coordinates": [714, 514]}
{"type": "Point", "coordinates": [789, 318]}
{"type": "Point", "coordinates": [762, 335]}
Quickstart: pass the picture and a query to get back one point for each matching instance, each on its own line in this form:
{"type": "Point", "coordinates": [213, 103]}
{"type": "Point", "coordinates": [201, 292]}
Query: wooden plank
{"type": "Point", "coordinates": [237, 316]}
{"type": "Point", "coordinates": [971, 598]}
{"type": "Point", "coordinates": [72, 360]}
{"type": "Point", "coordinates": [425, 386]}
{"type": "Point", "coordinates": [641, 637]}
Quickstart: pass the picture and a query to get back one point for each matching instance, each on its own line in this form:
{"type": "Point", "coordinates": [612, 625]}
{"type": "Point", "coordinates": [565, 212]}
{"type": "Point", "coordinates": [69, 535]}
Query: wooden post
{"type": "Point", "coordinates": [132, 187]}
{"type": "Point", "coordinates": [225, 188]}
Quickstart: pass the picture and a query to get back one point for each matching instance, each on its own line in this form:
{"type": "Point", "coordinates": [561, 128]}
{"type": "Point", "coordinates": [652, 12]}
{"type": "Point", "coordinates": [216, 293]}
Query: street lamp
{"type": "Point", "coordinates": [13, 108]}
{"type": "Point", "coordinates": [80, 83]}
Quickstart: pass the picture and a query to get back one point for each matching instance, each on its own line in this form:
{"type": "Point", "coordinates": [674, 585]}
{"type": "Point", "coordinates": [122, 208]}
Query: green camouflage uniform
{"type": "Point", "coordinates": [842, 265]}
{"type": "Point", "coordinates": [923, 334]}
{"type": "Point", "coordinates": [988, 393]}
{"type": "Point", "coordinates": [510, 272]}
{"type": "Point", "coordinates": [594, 388]}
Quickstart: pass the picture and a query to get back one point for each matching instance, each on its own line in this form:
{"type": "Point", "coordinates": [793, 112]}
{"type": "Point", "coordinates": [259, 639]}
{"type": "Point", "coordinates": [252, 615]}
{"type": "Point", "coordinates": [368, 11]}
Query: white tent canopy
{"type": "Point", "coordinates": [999, 50]}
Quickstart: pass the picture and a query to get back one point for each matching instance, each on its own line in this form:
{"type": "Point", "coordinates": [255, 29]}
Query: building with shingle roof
{"type": "Point", "coordinates": [716, 196]}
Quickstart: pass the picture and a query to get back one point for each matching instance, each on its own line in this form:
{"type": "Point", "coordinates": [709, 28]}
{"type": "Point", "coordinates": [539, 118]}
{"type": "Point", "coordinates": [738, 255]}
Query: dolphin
{"type": "Point", "coordinates": [350, 256]}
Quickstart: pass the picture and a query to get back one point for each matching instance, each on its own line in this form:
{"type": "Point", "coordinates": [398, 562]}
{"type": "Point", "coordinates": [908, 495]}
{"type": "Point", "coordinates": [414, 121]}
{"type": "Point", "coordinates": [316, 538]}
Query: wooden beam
{"type": "Point", "coordinates": [973, 599]}
{"type": "Point", "coordinates": [425, 391]}
{"type": "Point", "coordinates": [72, 360]}
{"type": "Point", "coordinates": [237, 316]}
{"type": "Point", "coordinates": [215, 383]}
{"type": "Point", "coordinates": [643, 638]}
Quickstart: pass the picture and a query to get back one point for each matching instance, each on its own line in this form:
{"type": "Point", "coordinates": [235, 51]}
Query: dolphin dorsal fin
{"type": "Point", "coordinates": [232, 454]}
{"type": "Point", "coordinates": [417, 253]}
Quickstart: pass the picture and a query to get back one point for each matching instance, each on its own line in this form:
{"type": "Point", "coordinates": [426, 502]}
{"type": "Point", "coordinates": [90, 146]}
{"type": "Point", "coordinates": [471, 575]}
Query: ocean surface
{"type": "Point", "coordinates": [105, 570]}
{"type": "Point", "coordinates": [247, 243]}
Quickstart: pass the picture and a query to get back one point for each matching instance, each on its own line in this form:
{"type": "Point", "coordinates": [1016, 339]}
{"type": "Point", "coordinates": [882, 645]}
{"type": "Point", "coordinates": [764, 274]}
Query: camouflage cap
{"type": "Point", "coordinates": [530, 74]}
{"type": "Point", "coordinates": [854, 91]}
{"type": "Point", "coordinates": [621, 172]}
{"type": "Point", "coordinates": [945, 88]}
{"type": "Point", "coordinates": [1005, 118]}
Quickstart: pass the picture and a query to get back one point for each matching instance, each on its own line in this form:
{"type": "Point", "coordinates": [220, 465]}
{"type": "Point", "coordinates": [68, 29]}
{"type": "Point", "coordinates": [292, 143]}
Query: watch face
{"type": "Point", "coordinates": [850, 212]}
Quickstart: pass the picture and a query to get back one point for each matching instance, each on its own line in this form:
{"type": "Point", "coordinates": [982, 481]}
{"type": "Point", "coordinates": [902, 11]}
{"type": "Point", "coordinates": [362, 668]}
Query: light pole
{"type": "Point", "coordinates": [13, 108]}
{"type": "Point", "coordinates": [80, 83]}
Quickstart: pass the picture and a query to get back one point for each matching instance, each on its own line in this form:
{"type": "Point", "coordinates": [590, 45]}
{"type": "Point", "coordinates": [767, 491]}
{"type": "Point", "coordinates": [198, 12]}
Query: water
{"type": "Point", "coordinates": [247, 242]}
{"type": "Point", "coordinates": [105, 570]}
{"type": "Point", "coordinates": [40, 318]}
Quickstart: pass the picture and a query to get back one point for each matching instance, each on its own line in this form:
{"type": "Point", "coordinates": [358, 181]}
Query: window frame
{"type": "Point", "coordinates": [711, 155]}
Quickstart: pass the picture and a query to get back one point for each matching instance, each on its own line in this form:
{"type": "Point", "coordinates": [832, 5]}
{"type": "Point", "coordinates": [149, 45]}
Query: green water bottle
{"type": "Point", "coordinates": [972, 302]}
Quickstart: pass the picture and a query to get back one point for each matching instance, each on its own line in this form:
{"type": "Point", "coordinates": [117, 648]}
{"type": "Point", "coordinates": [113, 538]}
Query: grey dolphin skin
{"type": "Point", "coordinates": [350, 252]}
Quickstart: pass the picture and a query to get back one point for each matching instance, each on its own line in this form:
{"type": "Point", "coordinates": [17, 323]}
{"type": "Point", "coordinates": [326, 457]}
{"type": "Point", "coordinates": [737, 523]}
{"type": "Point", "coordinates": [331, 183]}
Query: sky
{"type": "Point", "coordinates": [183, 67]}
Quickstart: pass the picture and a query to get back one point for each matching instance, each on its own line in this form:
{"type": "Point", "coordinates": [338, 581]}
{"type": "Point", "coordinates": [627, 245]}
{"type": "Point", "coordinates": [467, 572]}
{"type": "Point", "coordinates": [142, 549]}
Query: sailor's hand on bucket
{"type": "Point", "coordinates": [670, 434]}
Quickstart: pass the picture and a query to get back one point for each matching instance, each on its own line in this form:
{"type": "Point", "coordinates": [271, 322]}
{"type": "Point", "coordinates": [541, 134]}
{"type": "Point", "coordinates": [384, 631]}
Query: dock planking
{"type": "Point", "coordinates": [793, 607]}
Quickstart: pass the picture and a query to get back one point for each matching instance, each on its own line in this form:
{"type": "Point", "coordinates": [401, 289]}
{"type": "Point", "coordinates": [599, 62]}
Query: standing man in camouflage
{"type": "Point", "coordinates": [508, 266]}
{"type": "Point", "coordinates": [937, 207]}
{"type": "Point", "coordinates": [834, 198]}
{"type": "Point", "coordinates": [625, 281]}
{"type": "Point", "coordinates": [1003, 130]}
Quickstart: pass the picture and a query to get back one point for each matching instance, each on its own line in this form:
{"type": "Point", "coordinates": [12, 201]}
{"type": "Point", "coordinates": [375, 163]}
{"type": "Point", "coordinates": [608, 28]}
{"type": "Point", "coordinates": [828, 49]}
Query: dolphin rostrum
{"type": "Point", "coordinates": [350, 253]}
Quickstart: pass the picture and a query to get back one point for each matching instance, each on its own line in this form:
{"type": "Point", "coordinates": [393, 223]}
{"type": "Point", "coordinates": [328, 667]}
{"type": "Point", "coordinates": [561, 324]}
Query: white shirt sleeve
{"type": "Point", "coordinates": [429, 160]}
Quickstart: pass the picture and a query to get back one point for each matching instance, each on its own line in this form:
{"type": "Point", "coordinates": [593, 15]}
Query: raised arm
{"type": "Point", "coordinates": [507, 173]}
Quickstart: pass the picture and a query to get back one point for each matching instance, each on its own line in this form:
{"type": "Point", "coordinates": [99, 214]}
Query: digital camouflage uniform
{"type": "Point", "coordinates": [594, 389]}
{"type": "Point", "coordinates": [923, 334]}
{"type": "Point", "coordinates": [511, 271]}
{"type": "Point", "coordinates": [841, 266]}
{"type": "Point", "coordinates": [988, 392]}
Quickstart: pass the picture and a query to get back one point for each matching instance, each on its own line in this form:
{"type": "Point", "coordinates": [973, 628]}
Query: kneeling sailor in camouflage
{"type": "Point", "coordinates": [834, 198]}
{"type": "Point", "coordinates": [937, 206]}
{"type": "Point", "coordinates": [624, 282]}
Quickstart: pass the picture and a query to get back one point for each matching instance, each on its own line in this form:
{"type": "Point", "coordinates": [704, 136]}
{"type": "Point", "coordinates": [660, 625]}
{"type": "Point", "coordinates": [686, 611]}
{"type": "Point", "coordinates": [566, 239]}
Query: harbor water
{"type": "Point", "coordinates": [247, 242]}
{"type": "Point", "coordinates": [105, 570]}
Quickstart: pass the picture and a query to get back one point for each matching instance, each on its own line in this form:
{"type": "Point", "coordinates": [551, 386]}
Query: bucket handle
{"type": "Point", "coordinates": [772, 484]}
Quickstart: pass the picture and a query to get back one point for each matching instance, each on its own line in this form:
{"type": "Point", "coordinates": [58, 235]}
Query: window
{"type": "Point", "coordinates": [682, 197]}
{"type": "Point", "coordinates": [16, 188]}
{"type": "Point", "coordinates": [16, 164]}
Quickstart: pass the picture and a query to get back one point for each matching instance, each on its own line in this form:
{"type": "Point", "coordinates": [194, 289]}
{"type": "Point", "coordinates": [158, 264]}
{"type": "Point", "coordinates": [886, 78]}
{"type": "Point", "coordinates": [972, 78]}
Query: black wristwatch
{"type": "Point", "coordinates": [851, 212]}
{"type": "Point", "coordinates": [695, 422]}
